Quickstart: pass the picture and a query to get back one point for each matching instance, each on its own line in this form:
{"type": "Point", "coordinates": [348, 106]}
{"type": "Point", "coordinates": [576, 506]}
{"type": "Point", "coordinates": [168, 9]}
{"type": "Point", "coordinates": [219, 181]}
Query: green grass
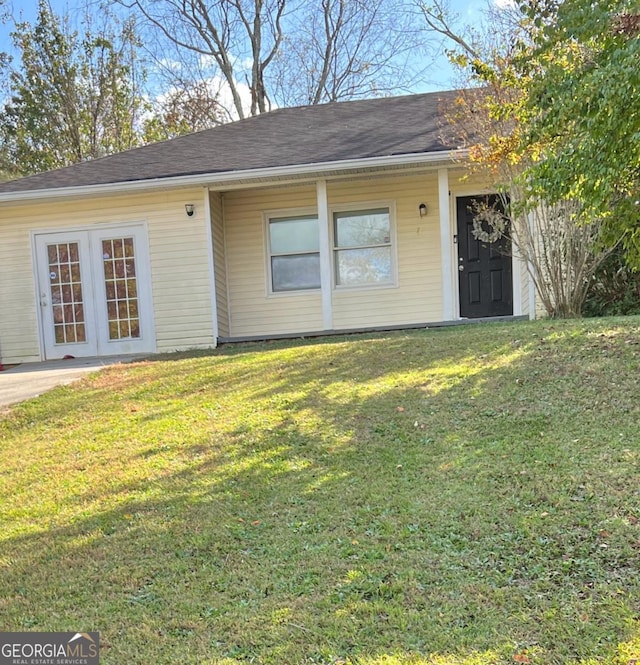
{"type": "Point", "coordinates": [459, 496]}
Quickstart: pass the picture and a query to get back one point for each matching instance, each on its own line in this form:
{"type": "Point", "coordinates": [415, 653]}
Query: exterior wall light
{"type": "Point", "coordinates": [189, 209]}
{"type": "Point", "coordinates": [422, 209]}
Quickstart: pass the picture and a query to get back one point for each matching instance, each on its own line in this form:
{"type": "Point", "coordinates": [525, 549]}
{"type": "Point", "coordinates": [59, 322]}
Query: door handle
{"type": "Point", "coordinates": [460, 267]}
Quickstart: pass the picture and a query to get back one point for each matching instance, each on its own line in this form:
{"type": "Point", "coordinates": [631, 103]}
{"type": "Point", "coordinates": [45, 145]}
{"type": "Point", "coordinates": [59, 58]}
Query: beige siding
{"type": "Point", "coordinates": [179, 260]}
{"type": "Point", "coordinates": [19, 339]}
{"type": "Point", "coordinates": [417, 297]}
{"type": "Point", "coordinates": [540, 311]}
{"type": "Point", "coordinates": [219, 262]}
{"type": "Point", "coordinates": [525, 283]}
{"type": "Point", "coordinates": [252, 310]}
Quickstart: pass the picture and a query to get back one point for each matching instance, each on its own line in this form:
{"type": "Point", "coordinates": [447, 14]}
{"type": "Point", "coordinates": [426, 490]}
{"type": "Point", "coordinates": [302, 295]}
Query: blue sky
{"type": "Point", "coordinates": [440, 75]}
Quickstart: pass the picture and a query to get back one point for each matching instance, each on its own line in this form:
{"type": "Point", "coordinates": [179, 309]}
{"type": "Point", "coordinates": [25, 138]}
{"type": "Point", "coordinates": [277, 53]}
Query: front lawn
{"type": "Point", "coordinates": [467, 495]}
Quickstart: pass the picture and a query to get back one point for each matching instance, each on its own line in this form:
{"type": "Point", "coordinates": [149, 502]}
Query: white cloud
{"type": "Point", "coordinates": [170, 65]}
{"type": "Point", "coordinates": [221, 89]}
{"type": "Point", "coordinates": [208, 62]}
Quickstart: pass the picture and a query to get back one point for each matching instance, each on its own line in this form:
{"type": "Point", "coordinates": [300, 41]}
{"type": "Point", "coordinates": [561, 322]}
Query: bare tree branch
{"type": "Point", "coordinates": [437, 16]}
{"type": "Point", "coordinates": [289, 52]}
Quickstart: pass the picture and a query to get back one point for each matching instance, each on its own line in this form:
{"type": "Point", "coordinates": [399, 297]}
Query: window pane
{"type": "Point", "coordinates": [362, 227]}
{"type": "Point", "coordinates": [290, 273]}
{"type": "Point", "coordinates": [294, 234]}
{"type": "Point", "coordinates": [363, 266]}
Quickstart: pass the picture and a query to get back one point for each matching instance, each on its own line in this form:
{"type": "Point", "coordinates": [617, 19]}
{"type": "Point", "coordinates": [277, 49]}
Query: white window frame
{"type": "Point", "coordinates": [267, 216]}
{"type": "Point", "coordinates": [393, 236]}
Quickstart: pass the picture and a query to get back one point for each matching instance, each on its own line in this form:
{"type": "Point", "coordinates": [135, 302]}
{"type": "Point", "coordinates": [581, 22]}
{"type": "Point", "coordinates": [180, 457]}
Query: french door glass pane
{"type": "Point", "coordinates": [118, 256]}
{"type": "Point", "coordinates": [294, 272]}
{"type": "Point", "coordinates": [66, 293]}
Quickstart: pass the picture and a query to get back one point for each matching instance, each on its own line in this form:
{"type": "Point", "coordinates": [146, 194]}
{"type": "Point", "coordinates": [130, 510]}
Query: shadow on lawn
{"type": "Point", "coordinates": [414, 493]}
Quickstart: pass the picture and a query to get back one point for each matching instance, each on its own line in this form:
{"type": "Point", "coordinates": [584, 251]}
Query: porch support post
{"type": "Point", "coordinates": [324, 229]}
{"type": "Point", "coordinates": [530, 272]}
{"type": "Point", "coordinates": [516, 268]}
{"type": "Point", "coordinates": [212, 270]}
{"type": "Point", "coordinates": [445, 245]}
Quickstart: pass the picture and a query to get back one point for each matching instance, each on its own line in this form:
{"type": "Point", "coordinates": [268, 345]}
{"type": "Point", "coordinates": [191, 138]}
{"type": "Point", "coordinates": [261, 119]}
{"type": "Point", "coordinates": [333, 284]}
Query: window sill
{"type": "Point", "coordinates": [287, 294]}
{"type": "Point", "coordinates": [365, 287]}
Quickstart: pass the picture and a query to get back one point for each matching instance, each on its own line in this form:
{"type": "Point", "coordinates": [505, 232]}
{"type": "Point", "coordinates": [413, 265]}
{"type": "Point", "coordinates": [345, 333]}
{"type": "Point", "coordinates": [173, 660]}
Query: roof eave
{"type": "Point", "coordinates": [229, 177]}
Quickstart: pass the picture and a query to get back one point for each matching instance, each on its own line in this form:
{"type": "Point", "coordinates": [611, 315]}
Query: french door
{"type": "Point", "coordinates": [94, 292]}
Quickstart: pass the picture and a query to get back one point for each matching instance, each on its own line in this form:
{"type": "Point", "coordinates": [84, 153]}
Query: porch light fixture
{"type": "Point", "coordinates": [422, 209]}
{"type": "Point", "coordinates": [189, 208]}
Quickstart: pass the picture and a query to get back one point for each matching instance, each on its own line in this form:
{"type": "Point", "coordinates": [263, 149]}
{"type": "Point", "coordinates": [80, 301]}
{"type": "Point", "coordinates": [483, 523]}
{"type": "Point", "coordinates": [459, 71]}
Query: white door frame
{"type": "Point", "coordinates": [46, 300]}
{"type": "Point", "coordinates": [94, 294]}
{"type": "Point", "coordinates": [516, 261]}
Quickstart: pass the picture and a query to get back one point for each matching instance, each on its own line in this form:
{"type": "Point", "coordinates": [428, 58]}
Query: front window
{"type": "Point", "coordinates": [294, 253]}
{"type": "Point", "coordinates": [362, 247]}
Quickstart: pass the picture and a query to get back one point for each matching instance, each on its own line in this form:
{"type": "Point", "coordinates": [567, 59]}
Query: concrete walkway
{"type": "Point", "coordinates": [33, 379]}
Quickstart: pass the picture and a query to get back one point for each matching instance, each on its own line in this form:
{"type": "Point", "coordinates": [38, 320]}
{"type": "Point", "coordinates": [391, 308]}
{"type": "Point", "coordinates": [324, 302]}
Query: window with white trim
{"type": "Point", "coordinates": [362, 247]}
{"type": "Point", "coordinates": [294, 253]}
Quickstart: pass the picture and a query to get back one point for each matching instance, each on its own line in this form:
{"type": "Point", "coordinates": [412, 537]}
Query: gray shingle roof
{"type": "Point", "coordinates": [333, 132]}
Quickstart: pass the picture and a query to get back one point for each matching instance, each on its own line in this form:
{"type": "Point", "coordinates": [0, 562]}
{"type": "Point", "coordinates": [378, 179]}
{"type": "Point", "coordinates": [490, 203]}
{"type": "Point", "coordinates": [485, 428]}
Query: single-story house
{"type": "Point", "coordinates": [338, 217]}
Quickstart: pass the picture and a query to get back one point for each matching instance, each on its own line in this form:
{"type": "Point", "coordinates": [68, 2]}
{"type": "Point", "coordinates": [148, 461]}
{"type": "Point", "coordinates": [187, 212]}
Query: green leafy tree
{"type": "Point", "coordinates": [5, 166]}
{"type": "Point", "coordinates": [496, 118]}
{"type": "Point", "coordinates": [71, 97]}
{"type": "Point", "coordinates": [189, 107]}
{"type": "Point", "coordinates": [584, 104]}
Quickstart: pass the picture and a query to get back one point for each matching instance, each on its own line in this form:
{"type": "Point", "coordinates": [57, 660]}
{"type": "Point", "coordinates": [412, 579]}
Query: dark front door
{"type": "Point", "coordinates": [486, 285]}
